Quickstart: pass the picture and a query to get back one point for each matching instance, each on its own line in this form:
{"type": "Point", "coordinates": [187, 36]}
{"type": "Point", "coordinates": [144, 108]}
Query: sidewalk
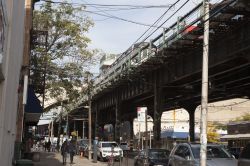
{"type": "Point", "coordinates": [55, 159]}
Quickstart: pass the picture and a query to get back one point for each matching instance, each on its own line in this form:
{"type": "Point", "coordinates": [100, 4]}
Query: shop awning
{"type": "Point", "coordinates": [174, 134]}
{"type": "Point", "coordinates": [33, 109]}
{"type": "Point", "coordinates": [236, 136]}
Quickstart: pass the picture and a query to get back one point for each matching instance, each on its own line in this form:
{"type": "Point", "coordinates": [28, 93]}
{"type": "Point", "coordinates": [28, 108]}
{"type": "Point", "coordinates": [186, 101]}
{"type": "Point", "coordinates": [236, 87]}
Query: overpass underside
{"type": "Point", "coordinates": [170, 77]}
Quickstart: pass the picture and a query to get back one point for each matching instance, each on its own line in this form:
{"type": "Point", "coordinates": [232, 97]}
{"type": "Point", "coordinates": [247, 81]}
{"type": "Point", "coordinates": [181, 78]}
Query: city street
{"type": "Point", "coordinates": [127, 82]}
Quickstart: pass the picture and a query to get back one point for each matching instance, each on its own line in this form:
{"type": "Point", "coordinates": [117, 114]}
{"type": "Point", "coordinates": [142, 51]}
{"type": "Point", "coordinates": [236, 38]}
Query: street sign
{"type": "Point", "coordinates": [141, 112]}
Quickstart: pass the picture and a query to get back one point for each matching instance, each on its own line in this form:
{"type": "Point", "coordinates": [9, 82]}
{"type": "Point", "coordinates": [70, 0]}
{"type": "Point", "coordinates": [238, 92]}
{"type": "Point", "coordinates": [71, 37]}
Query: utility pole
{"type": "Point", "coordinates": [52, 130]}
{"type": "Point", "coordinates": [150, 140]}
{"type": "Point", "coordinates": [139, 140]}
{"type": "Point", "coordinates": [83, 129]}
{"type": "Point", "coordinates": [89, 114]}
{"type": "Point", "coordinates": [67, 125]}
{"type": "Point", "coordinates": [146, 136]}
{"type": "Point", "coordinates": [59, 127]}
{"type": "Point", "coordinates": [204, 93]}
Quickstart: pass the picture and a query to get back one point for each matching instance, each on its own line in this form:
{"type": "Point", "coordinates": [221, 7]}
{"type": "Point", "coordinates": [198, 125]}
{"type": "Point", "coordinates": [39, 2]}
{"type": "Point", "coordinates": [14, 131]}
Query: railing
{"type": "Point", "coordinates": [140, 53]}
{"type": "Point", "coordinates": [137, 56]}
{"type": "Point", "coordinates": [134, 57]}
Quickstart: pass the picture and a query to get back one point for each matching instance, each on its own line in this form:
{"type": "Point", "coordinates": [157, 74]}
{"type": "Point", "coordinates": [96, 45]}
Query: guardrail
{"type": "Point", "coordinates": [136, 56]}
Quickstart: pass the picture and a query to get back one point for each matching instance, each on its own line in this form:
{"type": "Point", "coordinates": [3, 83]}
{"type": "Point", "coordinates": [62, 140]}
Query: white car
{"type": "Point", "coordinates": [107, 149]}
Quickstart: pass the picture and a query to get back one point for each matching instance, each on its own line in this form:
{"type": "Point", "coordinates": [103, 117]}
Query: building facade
{"type": "Point", "coordinates": [238, 134]}
{"type": "Point", "coordinates": [12, 15]}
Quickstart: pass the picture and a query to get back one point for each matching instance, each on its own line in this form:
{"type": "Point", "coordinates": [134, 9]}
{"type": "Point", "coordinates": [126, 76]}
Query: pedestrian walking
{"type": "Point", "coordinates": [49, 145]}
{"type": "Point", "coordinates": [64, 151]}
{"type": "Point", "coordinates": [72, 150]}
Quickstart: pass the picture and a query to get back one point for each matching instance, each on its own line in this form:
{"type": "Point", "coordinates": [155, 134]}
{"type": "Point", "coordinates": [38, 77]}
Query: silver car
{"type": "Point", "coordinates": [189, 155]}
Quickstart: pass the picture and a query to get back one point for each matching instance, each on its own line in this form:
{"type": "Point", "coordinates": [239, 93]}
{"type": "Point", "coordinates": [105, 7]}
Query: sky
{"type": "Point", "coordinates": [115, 36]}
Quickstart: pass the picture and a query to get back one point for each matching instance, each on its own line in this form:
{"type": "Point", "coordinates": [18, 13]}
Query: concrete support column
{"type": "Point", "coordinates": [192, 125]}
{"type": "Point", "coordinates": [131, 122]}
{"type": "Point", "coordinates": [157, 109]}
{"type": "Point", "coordinates": [191, 111]}
{"type": "Point", "coordinates": [117, 119]}
{"type": "Point", "coordinates": [96, 119]}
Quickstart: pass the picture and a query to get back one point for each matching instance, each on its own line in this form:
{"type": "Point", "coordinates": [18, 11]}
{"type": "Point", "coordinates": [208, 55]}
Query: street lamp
{"type": "Point", "coordinates": [89, 111]}
{"type": "Point", "coordinates": [90, 132]}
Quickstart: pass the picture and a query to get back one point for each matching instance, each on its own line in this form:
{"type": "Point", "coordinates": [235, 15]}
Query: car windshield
{"type": "Point", "coordinates": [212, 152]}
{"type": "Point", "coordinates": [158, 154]}
{"type": "Point", "coordinates": [109, 144]}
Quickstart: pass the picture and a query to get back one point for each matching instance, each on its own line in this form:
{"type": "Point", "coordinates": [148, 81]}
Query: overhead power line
{"type": "Point", "coordinates": [167, 19]}
{"type": "Point", "coordinates": [107, 15]}
{"type": "Point", "coordinates": [158, 20]}
{"type": "Point", "coordinates": [109, 5]}
{"type": "Point", "coordinates": [121, 19]}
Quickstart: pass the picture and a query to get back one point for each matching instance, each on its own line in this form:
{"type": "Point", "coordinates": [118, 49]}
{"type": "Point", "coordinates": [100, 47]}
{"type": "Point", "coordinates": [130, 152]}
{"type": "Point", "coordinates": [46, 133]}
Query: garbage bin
{"type": "Point", "coordinates": [24, 162]}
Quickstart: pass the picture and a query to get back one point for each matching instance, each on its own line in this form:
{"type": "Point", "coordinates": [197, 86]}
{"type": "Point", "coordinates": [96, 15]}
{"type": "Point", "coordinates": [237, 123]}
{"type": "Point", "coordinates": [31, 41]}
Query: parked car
{"type": "Point", "coordinates": [189, 154]}
{"type": "Point", "coordinates": [107, 149]}
{"type": "Point", "coordinates": [155, 157]}
{"type": "Point", "coordinates": [124, 146]}
{"type": "Point", "coordinates": [244, 159]}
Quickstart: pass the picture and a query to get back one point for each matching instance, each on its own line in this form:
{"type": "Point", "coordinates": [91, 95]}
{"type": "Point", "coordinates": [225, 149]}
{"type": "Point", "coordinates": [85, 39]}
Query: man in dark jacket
{"type": "Point", "coordinates": [72, 150]}
{"type": "Point", "coordinates": [64, 151]}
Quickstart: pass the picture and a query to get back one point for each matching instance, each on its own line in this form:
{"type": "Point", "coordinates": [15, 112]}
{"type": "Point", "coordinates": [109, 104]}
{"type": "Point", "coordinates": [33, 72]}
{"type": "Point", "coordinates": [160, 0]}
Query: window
{"type": "Point", "coordinates": [142, 153]}
{"type": "Point", "coordinates": [182, 151]}
{"type": "Point", "coordinates": [212, 152]}
{"type": "Point", "coordinates": [109, 144]}
{"type": "Point", "coordinates": [158, 154]}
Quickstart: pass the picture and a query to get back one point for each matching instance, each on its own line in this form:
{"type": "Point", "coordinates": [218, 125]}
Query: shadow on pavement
{"type": "Point", "coordinates": [48, 159]}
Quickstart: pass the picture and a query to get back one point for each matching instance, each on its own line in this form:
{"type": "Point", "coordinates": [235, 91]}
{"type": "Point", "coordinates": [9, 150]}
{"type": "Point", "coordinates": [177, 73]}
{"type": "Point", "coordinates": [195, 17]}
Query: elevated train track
{"type": "Point", "coordinates": [165, 73]}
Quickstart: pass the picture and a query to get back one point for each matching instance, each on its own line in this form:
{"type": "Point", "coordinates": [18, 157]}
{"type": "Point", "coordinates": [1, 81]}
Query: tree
{"type": "Point", "coordinates": [212, 135]}
{"type": "Point", "coordinates": [60, 55]}
{"type": "Point", "coordinates": [245, 117]}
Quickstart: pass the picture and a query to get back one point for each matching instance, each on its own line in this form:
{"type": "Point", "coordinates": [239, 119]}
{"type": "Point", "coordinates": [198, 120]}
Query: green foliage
{"type": "Point", "coordinates": [245, 117]}
{"type": "Point", "coordinates": [212, 135]}
{"type": "Point", "coordinates": [220, 126]}
{"type": "Point", "coordinates": [64, 53]}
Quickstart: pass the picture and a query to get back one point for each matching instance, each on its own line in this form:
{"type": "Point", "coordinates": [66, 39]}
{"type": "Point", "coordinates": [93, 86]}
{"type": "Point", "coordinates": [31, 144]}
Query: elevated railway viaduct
{"type": "Point", "coordinates": [165, 73]}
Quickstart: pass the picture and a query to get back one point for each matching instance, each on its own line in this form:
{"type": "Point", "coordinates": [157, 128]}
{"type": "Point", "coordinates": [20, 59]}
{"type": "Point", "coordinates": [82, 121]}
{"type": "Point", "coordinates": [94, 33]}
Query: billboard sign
{"type": "Point", "coordinates": [141, 113]}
